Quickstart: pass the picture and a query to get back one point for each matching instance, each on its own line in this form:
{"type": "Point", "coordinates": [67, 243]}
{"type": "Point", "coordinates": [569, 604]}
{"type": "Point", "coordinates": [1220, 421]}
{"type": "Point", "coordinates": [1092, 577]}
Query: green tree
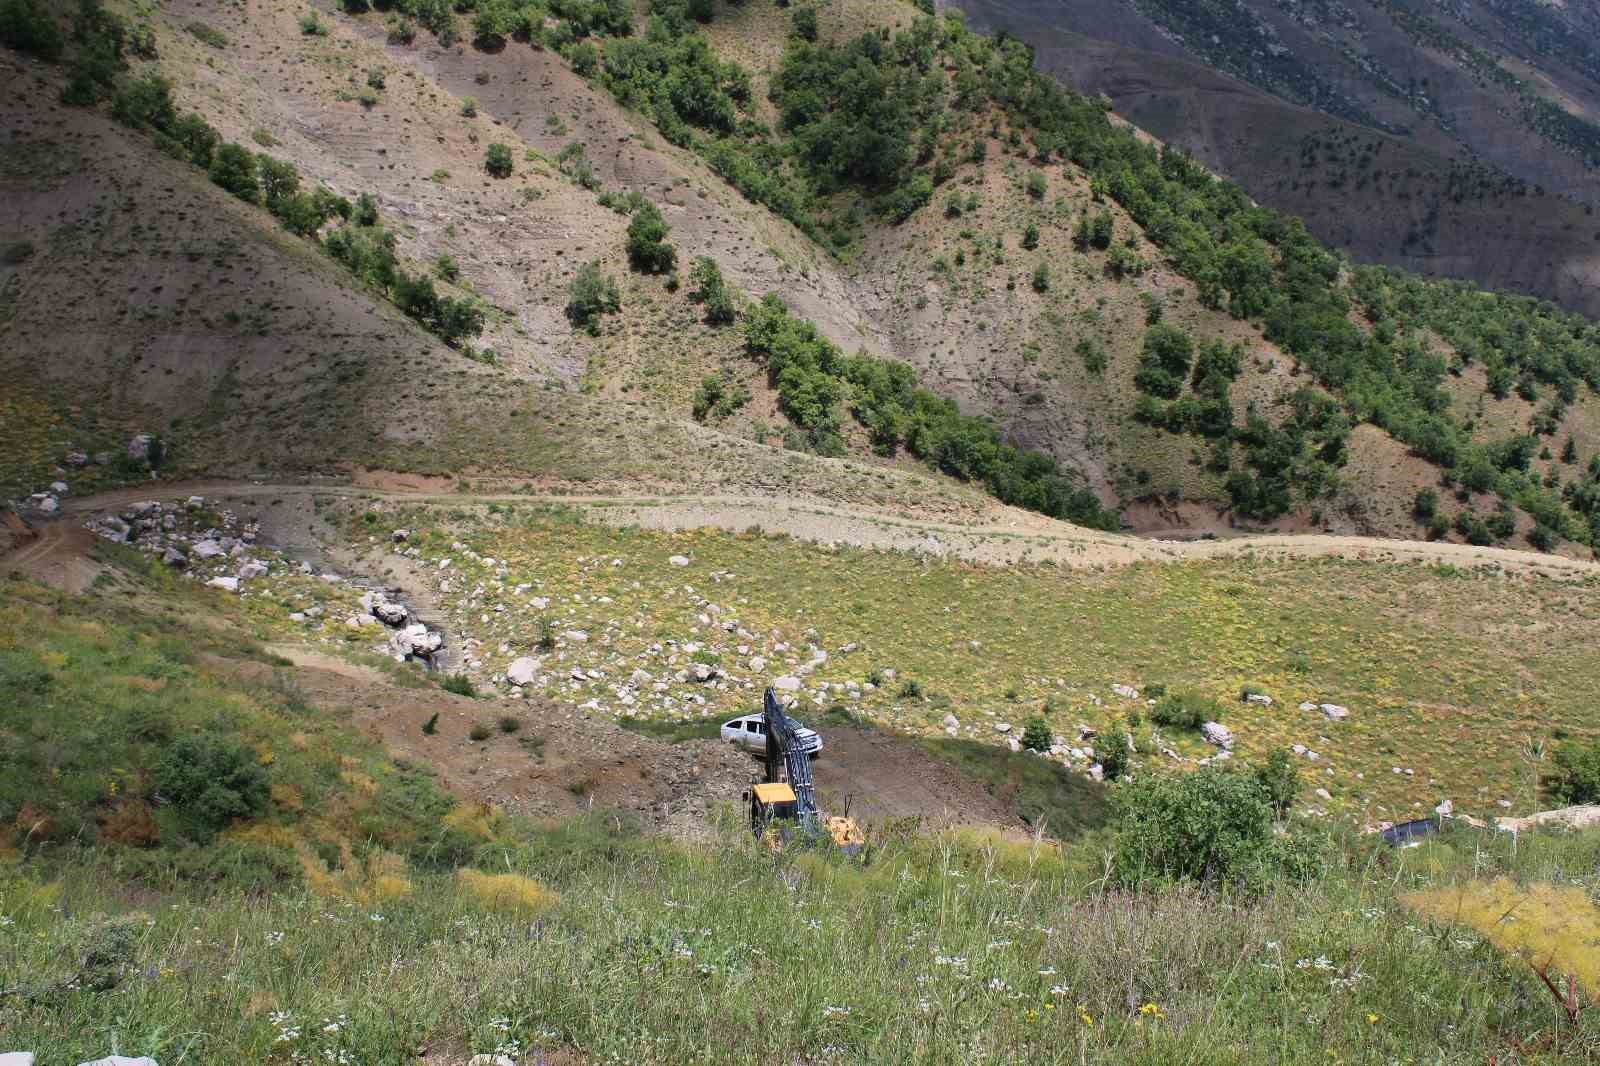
{"type": "Point", "coordinates": [1036, 735]}
{"type": "Point", "coordinates": [279, 180]}
{"type": "Point", "coordinates": [711, 292]}
{"type": "Point", "coordinates": [145, 103]}
{"type": "Point", "coordinates": [591, 295]}
{"type": "Point", "coordinates": [1577, 773]}
{"type": "Point", "coordinates": [198, 140]}
{"type": "Point", "coordinates": [647, 245]}
{"type": "Point", "coordinates": [1569, 452]}
{"type": "Point", "coordinates": [27, 26]}
{"type": "Point", "coordinates": [498, 161]}
{"type": "Point", "coordinates": [805, 23]}
{"type": "Point", "coordinates": [233, 167]}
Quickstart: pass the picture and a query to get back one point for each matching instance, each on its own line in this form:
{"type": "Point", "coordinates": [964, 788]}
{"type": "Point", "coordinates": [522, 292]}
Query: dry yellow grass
{"type": "Point", "coordinates": [1546, 924]}
{"type": "Point", "coordinates": [508, 893]}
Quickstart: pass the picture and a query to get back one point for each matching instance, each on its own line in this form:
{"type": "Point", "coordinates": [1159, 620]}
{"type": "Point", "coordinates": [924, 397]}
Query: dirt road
{"type": "Point", "coordinates": [1013, 536]}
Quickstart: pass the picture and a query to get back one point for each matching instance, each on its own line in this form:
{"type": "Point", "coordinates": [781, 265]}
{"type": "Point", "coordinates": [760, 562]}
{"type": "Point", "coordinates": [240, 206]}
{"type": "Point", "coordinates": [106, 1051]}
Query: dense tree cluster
{"type": "Point", "coordinates": [816, 380]}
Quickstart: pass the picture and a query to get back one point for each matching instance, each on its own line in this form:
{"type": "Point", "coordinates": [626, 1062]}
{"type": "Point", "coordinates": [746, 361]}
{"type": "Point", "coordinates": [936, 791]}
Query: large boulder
{"type": "Point", "coordinates": [522, 671]}
{"type": "Point", "coordinates": [415, 639]}
{"type": "Point", "coordinates": [390, 614]}
{"type": "Point", "coordinates": [175, 558]}
{"type": "Point", "coordinates": [787, 684]}
{"type": "Point", "coordinates": [1218, 734]}
{"type": "Point", "coordinates": [227, 584]}
{"type": "Point", "coordinates": [208, 548]}
{"type": "Point", "coordinates": [1333, 712]}
{"type": "Point", "coordinates": [251, 568]}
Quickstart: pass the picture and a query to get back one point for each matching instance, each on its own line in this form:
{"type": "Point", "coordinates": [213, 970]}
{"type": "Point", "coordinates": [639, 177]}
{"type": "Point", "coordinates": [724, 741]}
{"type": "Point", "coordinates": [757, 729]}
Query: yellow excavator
{"type": "Point", "coordinates": [783, 805]}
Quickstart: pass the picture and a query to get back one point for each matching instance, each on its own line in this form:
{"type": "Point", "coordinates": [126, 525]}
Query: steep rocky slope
{"type": "Point", "coordinates": [251, 350]}
{"type": "Point", "coordinates": [1459, 142]}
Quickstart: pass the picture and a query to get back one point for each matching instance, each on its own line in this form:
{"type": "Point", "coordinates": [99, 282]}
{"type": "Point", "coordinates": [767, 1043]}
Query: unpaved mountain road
{"type": "Point", "coordinates": [1013, 537]}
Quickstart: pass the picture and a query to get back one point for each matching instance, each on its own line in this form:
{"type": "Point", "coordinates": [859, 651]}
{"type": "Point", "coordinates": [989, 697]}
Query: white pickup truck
{"type": "Point", "coordinates": [750, 730]}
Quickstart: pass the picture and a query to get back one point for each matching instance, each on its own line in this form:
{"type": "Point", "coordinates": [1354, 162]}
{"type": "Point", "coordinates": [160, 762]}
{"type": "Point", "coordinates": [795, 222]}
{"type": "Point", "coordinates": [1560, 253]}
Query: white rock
{"type": "Point", "coordinates": [121, 1060]}
{"type": "Point", "coordinates": [1260, 698]}
{"type": "Point", "coordinates": [522, 671]}
{"type": "Point", "coordinates": [1218, 734]}
{"type": "Point", "coordinates": [49, 505]}
{"type": "Point", "coordinates": [1002, 727]}
{"type": "Point", "coordinates": [174, 557]}
{"type": "Point", "coordinates": [60, 488]}
{"type": "Point", "coordinates": [1323, 793]}
{"type": "Point", "coordinates": [251, 568]}
{"type": "Point", "coordinates": [679, 560]}
{"type": "Point", "coordinates": [787, 684]}
{"type": "Point", "coordinates": [355, 621]}
{"type": "Point", "coordinates": [390, 614]}
{"type": "Point", "coordinates": [702, 672]}
{"type": "Point", "coordinates": [1127, 692]}
{"type": "Point", "coordinates": [1097, 772]}
{"type": "Point", "coordinates": [491, 1060]}
{"type": "Point", "coordinates": [231, 584]}
{"type": "Point", "coordinates": [1013, 743]}
{"type": "Point", "coordinates": [1333, 711]}
{"type": "Point", "coordinates": [1308, 706]}
{"type": "Point", "coordinates": [139, 447]}
{"type": "Point", "coordinates": [17, 1058]}
{"type": "Point", "coordinates": [952, 722]}
{"type": "Point", "coordinates": [758, 663]}
{"type": "Point", "coordinates": [577, 636]}
{"type": "Point", "coordinates": [207, 549]}
{"type": "Point", "coordinates": [1444, 808]}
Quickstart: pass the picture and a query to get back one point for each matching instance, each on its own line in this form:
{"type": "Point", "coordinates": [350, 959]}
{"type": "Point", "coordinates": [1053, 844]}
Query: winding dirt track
{"type": "Point", "coordinates": [1015, 537]}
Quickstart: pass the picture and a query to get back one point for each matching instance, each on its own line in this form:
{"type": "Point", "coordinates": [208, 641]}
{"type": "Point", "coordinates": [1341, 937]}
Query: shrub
{"type": "Point", "coordinates": [431, 726]}
{"type": "Point", "coordinates": [1185, 711]}
{"type": "Point", "coordinates": [210, 781]}
{"type": "Point", "coordinates": [469, 107]}
{"type": "Point", "coordinates": [508, 893]}
{"type": "Point", "coordinates": [233, 167]}
{"type": "Point", "coordinates": [1037, 185]}
{"type": "Point", "coordinates": [805, 23]}
{"type": "Point", "coordinates": [27, 26]}
{"type": "Point", "coordinates": [1041, 278]}
{"type": "Point", "coordinates": [647, 245]}
{"type": "Point", "coordinates": [1426, 505]}
{"type": "Point", "coordinates": [480, 732]}
{"type": "Point", "coordinates": [591, 295]}
{"type": "Point", "coordinates": [445, 266]}
{"type": "Point", "coordinates": [460, 684]}
{"type": "Point", "coordinates": [1030, 236]}
{"type": "Point", "coordinates": [312, 26]}
{"type": "Point", "coordinates": [716, 398]}
{"type": "Point", "coordinates": [145, 103]}
{"type": "Point", "coordinates": [711, 292]}
{"type": "Point", "coordinates": [1279, 778]}
{"type": "Point", "coordinates": [911, 690]}
{"type": "Point", "coordinates": [376, 78]}
{"type": "Point", "coordinates": [498, 161]}
{"type": "Point", "coordinates": [1113, 755]}
{"type": "Point", "coordinates": [1209, 827]}
{"type": "Point", "coordinates": [1577, 776]}
{"type": "Point", "coordinates": [1036, 735]}
{"type": "Point", "coordinates": [509, 723]}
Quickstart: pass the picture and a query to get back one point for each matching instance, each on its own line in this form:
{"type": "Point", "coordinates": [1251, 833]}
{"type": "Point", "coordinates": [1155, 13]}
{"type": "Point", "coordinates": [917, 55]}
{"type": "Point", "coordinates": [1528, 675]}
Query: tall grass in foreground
{"type": "Point", "coordinates": [631, 949]}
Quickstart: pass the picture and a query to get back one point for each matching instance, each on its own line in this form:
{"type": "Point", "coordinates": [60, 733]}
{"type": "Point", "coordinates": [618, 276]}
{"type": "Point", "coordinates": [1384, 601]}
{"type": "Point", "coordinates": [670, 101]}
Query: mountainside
{"type": "Point", "coordinates": [801, 252]}
{"type": "Point", "coordinates": [1457, 140]}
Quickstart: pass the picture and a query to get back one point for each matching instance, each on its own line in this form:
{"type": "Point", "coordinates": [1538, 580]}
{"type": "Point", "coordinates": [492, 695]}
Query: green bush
{"type": "Point", "coordinates": [1113, 755]}
{"type": "Point", "coordinates": [1210, 827]}
{"type": "Point", "coordinates": [1041, 278]}
{"type": "Point", "coordinates": [1185, 711]}
{"type": "Point", "coordinates": [210, 781]}
{"type": "Point", "coordinates": [233, 167]}
{"type": "Point", "coordinates": [1036, 735]}
{"type": "Point", "coordinates": [711, 292]}
{"type": "Point", "coordinates": [647, 245]}
{"type": "Point", "coordinates": [460, 684]}
{"type": "Point", "coordinates": [145, 103]}
{"type": "Point", "coordinates": [1037, 186]}
{"type": "Point", "coordinates": [497, 161]}
{"type": "Point", "coordinates": [28, 26]}
{"type": "Point", "coordinates": [591, 295]}
{"type": "Point", "coordinates": [1577, 775]}
{"type": "Point", "coordinates": [1279, 778]}
{"type": "Point", "coordinates": [1030, 236]}
{"type": "Point", "coordinates": [805, 23]}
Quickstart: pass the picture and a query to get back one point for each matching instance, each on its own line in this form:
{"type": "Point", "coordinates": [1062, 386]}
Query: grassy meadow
{"type": "Point", "coordinates": [1460, 677]}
